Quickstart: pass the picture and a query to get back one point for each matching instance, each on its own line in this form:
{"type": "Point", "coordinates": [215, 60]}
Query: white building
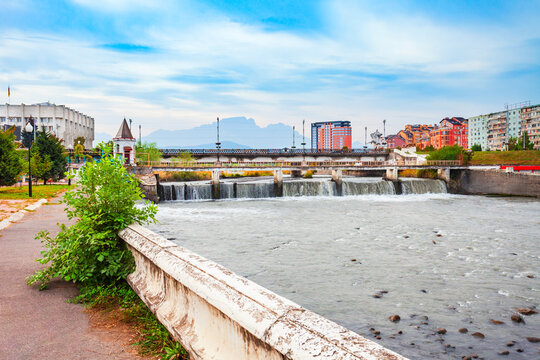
{"type": "Point", "coordinates": [65, 123]}
{"type": "Point", "coordinates": [493, 131]}
{"type": "Point", "coordinates": [124, 144]}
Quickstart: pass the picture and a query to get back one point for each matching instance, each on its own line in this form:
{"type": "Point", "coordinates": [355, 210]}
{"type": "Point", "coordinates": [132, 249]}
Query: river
{"type": "Point", "coordinates": [437, 260]}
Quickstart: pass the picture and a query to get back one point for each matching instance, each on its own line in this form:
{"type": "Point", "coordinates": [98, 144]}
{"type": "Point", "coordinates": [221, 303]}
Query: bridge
{"type": "Point", "coordinates": [276, 155]}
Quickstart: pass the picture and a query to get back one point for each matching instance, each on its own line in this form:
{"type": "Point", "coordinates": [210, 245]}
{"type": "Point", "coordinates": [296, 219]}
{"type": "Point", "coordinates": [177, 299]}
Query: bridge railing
{"type": "Point", "coordinates": [290, 164]}
{"type": "Point", "coordinates": [257, 164]}
{"type": "Point", "coordinates": [444, 162]}
{"type": "Point", "coordinates": [307, 151]}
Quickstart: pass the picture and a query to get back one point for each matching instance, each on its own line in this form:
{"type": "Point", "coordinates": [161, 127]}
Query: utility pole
{"type": "Point", "coordinates": [218, 144]}
{"type": "Point", "coordinates": [293, 129]}
{"type": "Point", "coordinates": [384, 132]}
{"type": "Point", "coordinates": [140, 139]}
{"type": "Point", "coordinates": [304, 138]}
{"type": "Point", "coordinates": [365, 138]}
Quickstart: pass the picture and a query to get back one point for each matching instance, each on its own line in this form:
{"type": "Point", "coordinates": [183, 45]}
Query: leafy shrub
{"type": "Point", "coordinates": [10, 161]}
{"type": "Point", "coordinates": [450, 153]}
{"type": "Point", "coordinates": [476, 147]}
{"type": "Point", "coordinates": [90, 252]}
{"type": "Point", "coordinates": [147, 152]}
{"type": "Point", "coordinates": [309, 174]}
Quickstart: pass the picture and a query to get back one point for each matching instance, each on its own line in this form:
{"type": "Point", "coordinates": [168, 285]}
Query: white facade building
{"type": "Point", "coordinates": [65, 123]}
{"type": "Point", "coordinates": [493, 131]}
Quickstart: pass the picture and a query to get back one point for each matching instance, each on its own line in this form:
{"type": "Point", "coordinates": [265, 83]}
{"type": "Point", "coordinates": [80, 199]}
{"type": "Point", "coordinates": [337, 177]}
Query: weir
{"type": "Point", "coordinates": [268, 188]}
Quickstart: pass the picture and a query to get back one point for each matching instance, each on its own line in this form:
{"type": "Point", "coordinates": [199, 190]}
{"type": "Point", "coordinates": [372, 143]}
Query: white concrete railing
{"type": "Point", "coordinates": [216, 314]}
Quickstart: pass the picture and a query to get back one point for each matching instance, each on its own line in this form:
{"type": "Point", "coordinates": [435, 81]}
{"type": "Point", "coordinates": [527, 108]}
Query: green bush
{"type": "Point", "coordinates": [476, 147]}
{"type": "Point", "coordinates": [90, 251]}
{"type": "Point", "coordinates": [10, 161]}
{"type": "Point", "coordinates": [147, 152]}
{"type": "Point", "coordinates": [450, 153]}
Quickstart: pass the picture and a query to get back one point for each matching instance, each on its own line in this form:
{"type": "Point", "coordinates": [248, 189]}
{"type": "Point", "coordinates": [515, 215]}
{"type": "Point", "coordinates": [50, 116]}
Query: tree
{"type": "Point", "coordinates": [184, 157]}
{"type": "Point", "coordinates": [79, 141]}
{"type": "Point", "coordinates": [48, 144]}
{"type": "Point", "coordinates": [476, 147]}
{"type": "Point", "coordinates": [40, 166]}
{"type": "Point", "coordinates": [147, 152]}
{"type": "Point", "coordinates": [524, 143]}
{"type": "Point", "coordinates": [90, 252]}
{"type": "Point", "coordinates": [78, 150]}
{"type": "Point", "coordinates": [10, 161]}
{"type": "Point", "coordinates": [450, 153]}
{"type": "Point", "coordinates": [104, 147]}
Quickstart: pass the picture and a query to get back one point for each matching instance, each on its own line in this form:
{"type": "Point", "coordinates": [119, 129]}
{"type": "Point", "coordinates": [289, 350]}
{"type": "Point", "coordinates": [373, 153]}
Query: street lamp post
{"type": "Point", "coordinates": [29, 128]}
{"type": "Point", "coordinates": [293, 146]}
{"type": "Point", "coordinates": [218, 144]}
{"type": "Point", "coordinates": [304, 138]}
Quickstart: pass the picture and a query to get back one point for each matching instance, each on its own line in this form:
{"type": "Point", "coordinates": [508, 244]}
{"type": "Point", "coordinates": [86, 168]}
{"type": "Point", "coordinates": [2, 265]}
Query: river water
{"type": "Point", "coordinates": [435, 259]}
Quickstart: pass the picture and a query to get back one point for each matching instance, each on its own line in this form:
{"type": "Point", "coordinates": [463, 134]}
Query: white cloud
{"type": "Point", "coordinates": [272, 76]}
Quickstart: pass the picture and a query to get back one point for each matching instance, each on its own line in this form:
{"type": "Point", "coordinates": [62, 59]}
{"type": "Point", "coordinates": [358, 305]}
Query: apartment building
{"type": "Point", "coordinates": [450, 132]}
{"type": "Point", "coordinates": [493, 131]}
{"type": "Point", "coordinates": [65, 123]}
{"type": "Point", "coordinates": [530, 122]}
{"type": "Point", "coordinates": [331, 135]}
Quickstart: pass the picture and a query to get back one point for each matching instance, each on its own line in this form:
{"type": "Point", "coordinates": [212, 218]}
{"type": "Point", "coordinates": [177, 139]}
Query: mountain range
{"type": "Point", "coordinates": [235, 132]}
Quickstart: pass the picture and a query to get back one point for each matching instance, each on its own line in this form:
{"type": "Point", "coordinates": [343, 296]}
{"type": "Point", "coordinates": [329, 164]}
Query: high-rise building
{"type": "Point", "coordinates": [530, 122]}
{"type": "Point", "coordinates": [493, 131]}
{"type": "Point", "coordinates": [331, 135]}
{"type": "Point", "coordinates": [59, 120]}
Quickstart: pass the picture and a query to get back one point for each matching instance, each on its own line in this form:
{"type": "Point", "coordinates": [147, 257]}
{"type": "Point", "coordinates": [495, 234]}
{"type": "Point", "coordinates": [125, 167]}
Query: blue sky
{"type": "Point", "coordinates": [179, 64]}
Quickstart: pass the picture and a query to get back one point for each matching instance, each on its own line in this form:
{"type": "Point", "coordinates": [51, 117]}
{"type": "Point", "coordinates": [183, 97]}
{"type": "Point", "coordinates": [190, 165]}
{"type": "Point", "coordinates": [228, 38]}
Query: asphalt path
{"type": "Point", "coordinates": [41, 324]}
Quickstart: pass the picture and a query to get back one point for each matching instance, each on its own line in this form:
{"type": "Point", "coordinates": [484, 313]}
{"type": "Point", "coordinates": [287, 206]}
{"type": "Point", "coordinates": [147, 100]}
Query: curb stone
{"type": "Point", "coordinates": [20, 214]}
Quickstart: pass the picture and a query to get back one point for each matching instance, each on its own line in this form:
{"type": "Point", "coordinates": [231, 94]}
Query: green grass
{"type": "Point", "coordinates": [38, 191]}
{"type": "Point", "coordinates": [155, 340]}
{"type": "Point", "coordinates": [523, 157]}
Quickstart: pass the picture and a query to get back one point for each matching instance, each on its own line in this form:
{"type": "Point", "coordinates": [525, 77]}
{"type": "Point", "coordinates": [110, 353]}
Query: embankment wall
{"type": "Point", "coordinates": [216, 314]}
{"type": "Point", "coordinates": [485, 182]}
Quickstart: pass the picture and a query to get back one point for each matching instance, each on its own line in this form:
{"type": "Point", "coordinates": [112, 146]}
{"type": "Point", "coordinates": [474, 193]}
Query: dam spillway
{"type": "Point", "coordinates": [250, 188]}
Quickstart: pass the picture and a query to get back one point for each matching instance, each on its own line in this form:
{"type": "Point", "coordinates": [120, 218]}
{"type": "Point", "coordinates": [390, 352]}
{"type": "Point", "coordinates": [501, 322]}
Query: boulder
{"type": "Point", "coordinates": [394, 318]}
{"type": "Point", "coordinates": [526, 311]}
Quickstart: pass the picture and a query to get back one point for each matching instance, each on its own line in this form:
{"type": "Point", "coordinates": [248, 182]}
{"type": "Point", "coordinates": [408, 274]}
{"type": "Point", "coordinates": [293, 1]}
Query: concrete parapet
{"type": "Point", "coordinates": [217, 314]}
{"type": "Point", "coordinates": [444, 174]}
{"type": "Point", "coordinates": [337, 177]}
{"type": "Point", "coordinates": [216, 194]}
{"type": "Point", "coordinates": [392, 174]}
{"type": "Point", "coordinates": [278, 182]}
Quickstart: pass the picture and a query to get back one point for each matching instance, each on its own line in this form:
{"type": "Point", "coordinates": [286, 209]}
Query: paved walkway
{"type": "Point", "coordinates": [41, 324]}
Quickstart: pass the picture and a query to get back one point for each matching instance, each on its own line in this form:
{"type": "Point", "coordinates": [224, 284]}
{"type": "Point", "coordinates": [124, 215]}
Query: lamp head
{"type": "Point", "coordinates": [29, 128]}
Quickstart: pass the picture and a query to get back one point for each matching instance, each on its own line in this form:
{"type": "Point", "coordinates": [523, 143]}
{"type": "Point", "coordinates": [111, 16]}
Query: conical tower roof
{"type": "Point", "coordinates": [124, 132]}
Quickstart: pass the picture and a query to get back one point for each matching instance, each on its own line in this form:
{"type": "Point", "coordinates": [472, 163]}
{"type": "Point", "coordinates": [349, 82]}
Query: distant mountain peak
{"type": "Point", "coordinates": [235, 130]}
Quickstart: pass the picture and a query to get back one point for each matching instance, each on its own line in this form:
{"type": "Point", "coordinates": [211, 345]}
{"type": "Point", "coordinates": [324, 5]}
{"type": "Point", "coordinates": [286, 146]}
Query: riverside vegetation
{"type": "Point", "coordinates": [90, 254]}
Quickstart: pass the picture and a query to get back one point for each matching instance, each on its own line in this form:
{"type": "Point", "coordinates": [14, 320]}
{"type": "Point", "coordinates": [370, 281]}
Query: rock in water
{"type": "Point", "coordinates": [526, 311]}
{"type": "Point", "coordinates": [394, 318]}
{"type": "Point", "coordinates": [478, 335]}
{"type": "Point", "coordinates": [516, 318]}
{"type": "Point", "coordinates": [533, 339]}
{"type": "Point", "coordinates": [441, 331]}
{"type": "Point", "coordinates": [504, 352]}
{"type": "Point", "coordinates": [463, 330]}
{"type": "Point", "coordinates": [496, 322]}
